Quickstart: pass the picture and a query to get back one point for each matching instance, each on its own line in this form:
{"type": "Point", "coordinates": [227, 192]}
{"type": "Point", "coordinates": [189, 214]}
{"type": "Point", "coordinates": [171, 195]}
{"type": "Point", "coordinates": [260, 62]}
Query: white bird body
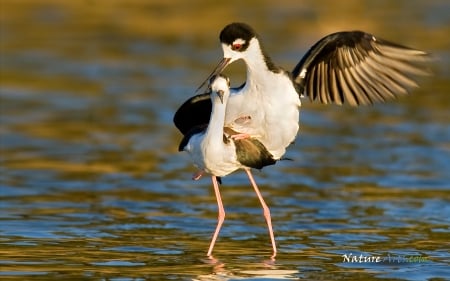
{"type": "Point", "coordinates": [212, 157]}
{"type": "Point", "coordinates": [216, 150]}
{"type": "Point", "coordinates": [207, 150]}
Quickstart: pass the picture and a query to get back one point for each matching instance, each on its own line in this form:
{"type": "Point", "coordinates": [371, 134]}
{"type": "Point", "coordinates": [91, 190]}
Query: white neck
{"type": "Point", "coordinates": [214, 132]}
{"type": "Point", "coordinates": [257, 71]}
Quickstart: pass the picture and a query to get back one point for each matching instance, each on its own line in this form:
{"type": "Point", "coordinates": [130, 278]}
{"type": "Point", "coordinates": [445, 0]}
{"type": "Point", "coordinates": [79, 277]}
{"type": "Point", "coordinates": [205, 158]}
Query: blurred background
{"type": "Point", "coordinates": [92, 185]}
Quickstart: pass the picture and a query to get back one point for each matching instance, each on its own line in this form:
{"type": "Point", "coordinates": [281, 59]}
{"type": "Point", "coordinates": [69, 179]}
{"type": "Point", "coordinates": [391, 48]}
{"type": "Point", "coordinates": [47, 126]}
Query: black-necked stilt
{"type": "Point", "coordinates": [345, 67]}
{"type": "Point", "coordinates": [219, 151]}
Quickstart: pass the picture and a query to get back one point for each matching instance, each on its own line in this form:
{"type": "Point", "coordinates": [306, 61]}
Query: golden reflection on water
{"type": "Point", "coordinates": [92, 185]}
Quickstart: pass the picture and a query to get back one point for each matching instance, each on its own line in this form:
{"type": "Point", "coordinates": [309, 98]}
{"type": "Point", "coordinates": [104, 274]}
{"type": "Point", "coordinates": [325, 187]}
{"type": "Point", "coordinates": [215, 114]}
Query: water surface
{"type": "Point", "coordinates": [92, 185]}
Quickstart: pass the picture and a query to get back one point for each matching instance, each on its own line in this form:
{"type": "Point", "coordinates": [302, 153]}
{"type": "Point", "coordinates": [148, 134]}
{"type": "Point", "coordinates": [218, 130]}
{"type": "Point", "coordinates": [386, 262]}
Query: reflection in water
{"type": "Point", "coordinates": [92, 187]}
{"type": "Point", "coordinates": [266, 270]}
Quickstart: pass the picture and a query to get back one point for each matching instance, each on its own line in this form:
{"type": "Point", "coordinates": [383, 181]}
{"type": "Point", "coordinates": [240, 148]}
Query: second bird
{"type": "Point", "coordinates": [219, 151]}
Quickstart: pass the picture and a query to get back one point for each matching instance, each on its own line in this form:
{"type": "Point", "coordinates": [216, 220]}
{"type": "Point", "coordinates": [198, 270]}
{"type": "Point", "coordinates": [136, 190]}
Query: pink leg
{"type": "Point", "coordinates": [240, 136]}
{"type": "Point", "coordinates": [197, 175]}
{"type": "Point", "coordinates": [221, 216]}
{"type": "Point", "coordinates": [243, 120]}
{"type": "Point", "coordinates": [266, 212]}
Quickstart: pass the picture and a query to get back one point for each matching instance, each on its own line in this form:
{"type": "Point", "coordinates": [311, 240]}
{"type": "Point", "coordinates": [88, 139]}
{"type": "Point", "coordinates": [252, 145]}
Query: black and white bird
{"type": "Point", "coordinates": [219, 151]}
{"type": "Point", "coordinates": [354, 68]}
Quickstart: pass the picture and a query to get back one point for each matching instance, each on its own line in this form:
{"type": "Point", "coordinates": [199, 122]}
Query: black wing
{"type": "Point", "coordinates": [252, 153]}
{"type": "Point", "coordinates": [357, 68]}
{"type": "Point", "coordinates": [193, 131]}
{"type": "Point", "coordinates": [195, 112]}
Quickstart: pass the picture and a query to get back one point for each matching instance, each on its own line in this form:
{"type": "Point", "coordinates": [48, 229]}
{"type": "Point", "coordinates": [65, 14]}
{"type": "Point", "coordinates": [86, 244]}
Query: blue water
{"type": "Point", "coordinates": [92, 185]}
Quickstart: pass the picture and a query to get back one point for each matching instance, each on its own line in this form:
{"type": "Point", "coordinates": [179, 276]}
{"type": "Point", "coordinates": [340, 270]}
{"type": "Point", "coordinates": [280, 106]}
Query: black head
{"type": "Point", "coordinates": [236, 39]}
{"type": "Point", "coordinates": [237, 35]}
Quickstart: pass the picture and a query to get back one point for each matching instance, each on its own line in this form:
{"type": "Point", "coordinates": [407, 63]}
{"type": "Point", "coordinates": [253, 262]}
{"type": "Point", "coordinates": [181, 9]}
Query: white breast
{"type": "Point", "coordinates": [216, 159]}
{"type": "Point", "coordinates": [273, 106]}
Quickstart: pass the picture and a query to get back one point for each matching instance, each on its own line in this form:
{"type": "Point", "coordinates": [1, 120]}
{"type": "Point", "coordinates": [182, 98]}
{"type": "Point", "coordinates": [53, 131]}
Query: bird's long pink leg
{"type": "Point", "coordinates": [221, 216]}
{"type": "Point", "coordinates": [240, 136]}
{"type": "Point", "coordinates": [266, 212]}
{"type": "Point", "coordinates": [197, 175]}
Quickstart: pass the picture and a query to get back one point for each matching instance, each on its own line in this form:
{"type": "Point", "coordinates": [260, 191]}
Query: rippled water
{"type": "Point", "coordinates": [92, 186]}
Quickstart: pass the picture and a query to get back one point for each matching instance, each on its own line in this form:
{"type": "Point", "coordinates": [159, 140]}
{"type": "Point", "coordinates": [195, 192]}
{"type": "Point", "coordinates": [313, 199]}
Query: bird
{"type": "Point", "coordinates": [346, 67]}
{"type": "Point", "coordinates": [219, 151]}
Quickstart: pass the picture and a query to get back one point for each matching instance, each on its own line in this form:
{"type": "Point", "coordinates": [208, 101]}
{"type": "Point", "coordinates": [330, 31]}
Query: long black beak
{"type": "Point", "coordinates": [220, 95]}
{"type": "Point", "coordinates": [219, 68]}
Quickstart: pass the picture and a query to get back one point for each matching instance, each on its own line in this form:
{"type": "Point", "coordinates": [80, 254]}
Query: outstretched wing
{"type": "Point", "coordinates": [357, 68]}
{"type": "Point", "coordinates": [194, 112]}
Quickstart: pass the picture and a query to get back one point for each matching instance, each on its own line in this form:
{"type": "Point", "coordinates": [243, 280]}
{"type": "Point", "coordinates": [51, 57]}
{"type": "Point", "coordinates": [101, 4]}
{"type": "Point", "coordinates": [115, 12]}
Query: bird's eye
{"type": "Point", "coordinates": [236, 47]}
